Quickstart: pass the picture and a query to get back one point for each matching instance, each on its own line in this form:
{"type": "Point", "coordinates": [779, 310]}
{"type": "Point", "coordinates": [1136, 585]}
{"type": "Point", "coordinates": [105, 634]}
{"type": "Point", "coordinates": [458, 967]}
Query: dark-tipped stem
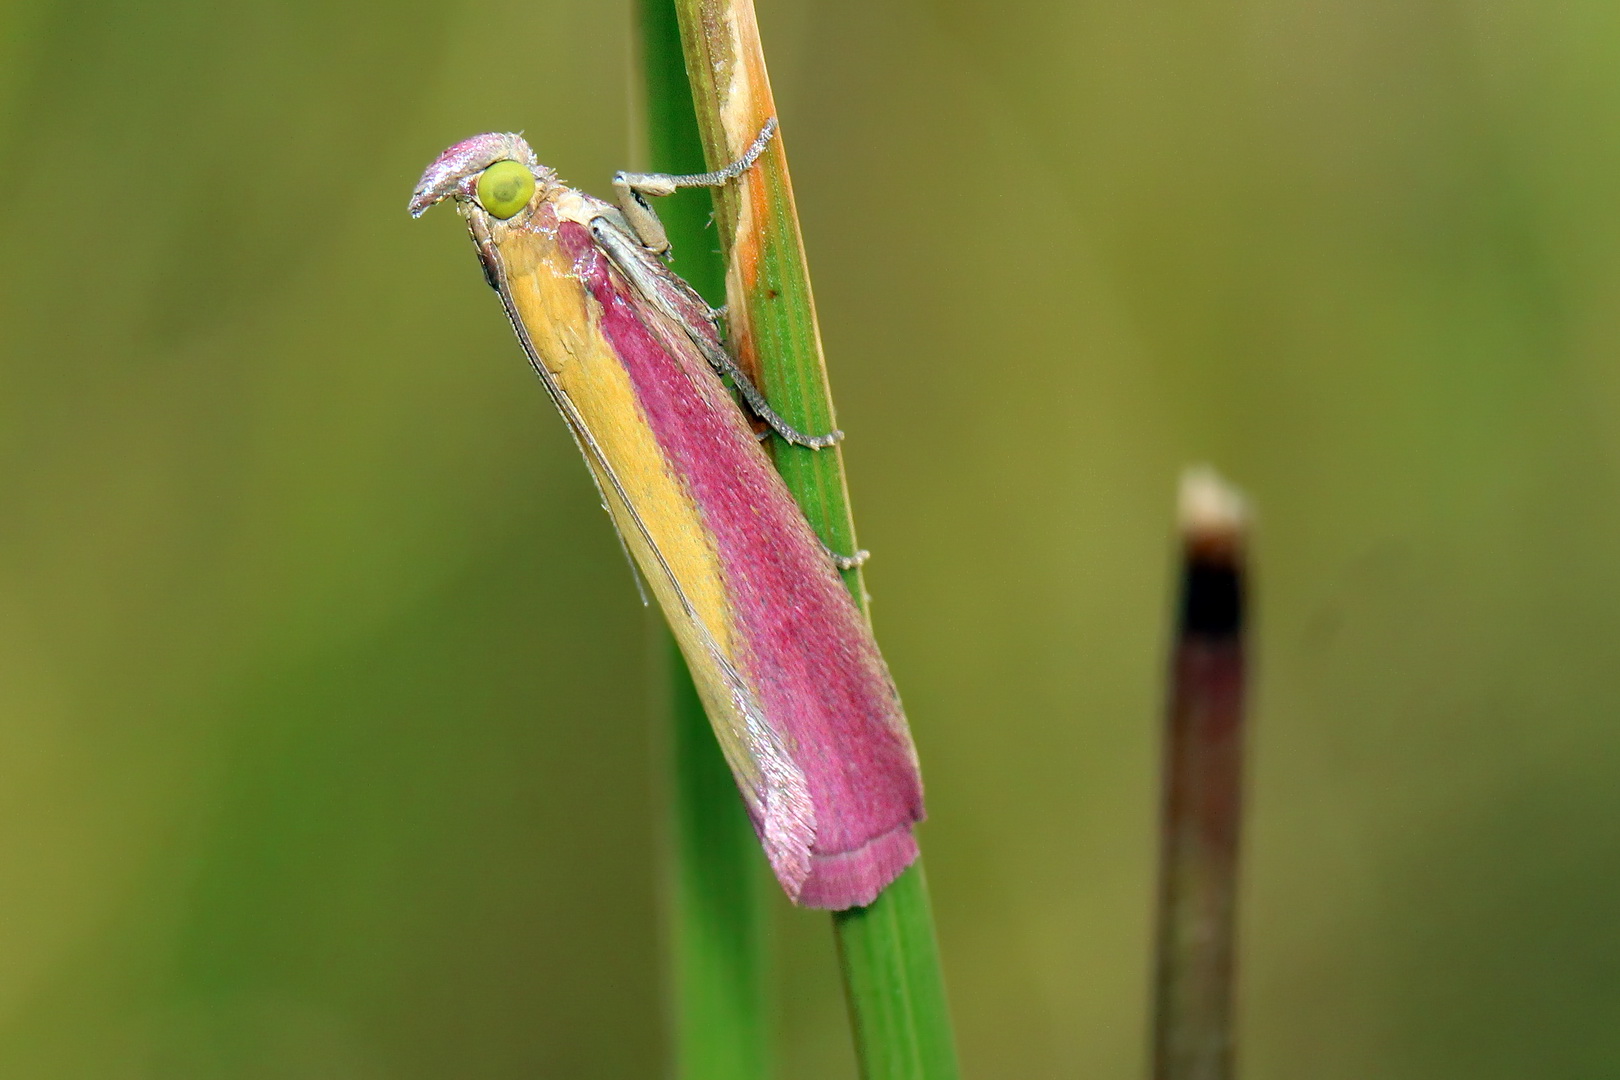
{"type": "Point", "coordinates": [1203, 790]}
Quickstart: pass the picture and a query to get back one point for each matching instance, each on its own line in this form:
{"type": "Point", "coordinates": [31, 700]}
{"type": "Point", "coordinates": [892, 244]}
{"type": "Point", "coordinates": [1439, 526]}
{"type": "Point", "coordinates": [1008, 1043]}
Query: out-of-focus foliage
{"type": "Point", "coordinates": [324, 748]}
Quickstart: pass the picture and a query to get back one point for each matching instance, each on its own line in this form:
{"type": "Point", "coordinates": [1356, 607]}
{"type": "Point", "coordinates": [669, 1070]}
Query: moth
{"type": "Point", "coordinates": [799, 697]}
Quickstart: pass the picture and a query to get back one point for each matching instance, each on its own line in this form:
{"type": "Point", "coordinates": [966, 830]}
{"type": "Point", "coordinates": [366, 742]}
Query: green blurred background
{"type": "Point", "coordinates": [325, 747]}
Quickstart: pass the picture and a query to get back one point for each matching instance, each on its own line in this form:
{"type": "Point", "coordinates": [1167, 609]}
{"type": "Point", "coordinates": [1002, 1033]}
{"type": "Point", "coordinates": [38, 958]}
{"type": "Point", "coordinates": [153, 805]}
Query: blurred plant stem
{"type": "Point", "coordinates": [889, 954]}
{"type": "Point", "coordinates": [1203, 790]}
{"type": "Point", "coordinates": [718, 899]}
{"type": "Point", "coordinates": [718, 911]}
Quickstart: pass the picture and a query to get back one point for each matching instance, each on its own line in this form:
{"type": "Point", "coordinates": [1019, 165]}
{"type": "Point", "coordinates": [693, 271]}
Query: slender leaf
{"type": "Point", "coordinates": [718, 933]}
{"type": "Point", "coordinates": [890, 958]}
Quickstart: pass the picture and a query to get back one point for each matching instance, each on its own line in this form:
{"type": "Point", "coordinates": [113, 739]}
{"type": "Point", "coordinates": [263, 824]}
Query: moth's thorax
{"type": "Point", "coordinates": [576, 206]}
{"type": "Point", "coordinates": [551, 207]}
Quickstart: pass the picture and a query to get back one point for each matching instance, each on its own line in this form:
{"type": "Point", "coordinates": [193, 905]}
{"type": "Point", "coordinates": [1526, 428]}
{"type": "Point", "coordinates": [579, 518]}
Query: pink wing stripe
{"type": "Point", "coordinates": [805, 647]}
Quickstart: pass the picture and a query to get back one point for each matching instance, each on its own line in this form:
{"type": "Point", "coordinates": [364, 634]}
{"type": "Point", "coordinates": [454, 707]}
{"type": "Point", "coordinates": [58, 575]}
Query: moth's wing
{"type": "Point", "coordinates": [856, 752]}
{"type": "Point", "coordinates": [771, 784]}
{"type": "Point", "coordinates": [681, 309]}
{"type": "Point", "coordinates": [658, 286]}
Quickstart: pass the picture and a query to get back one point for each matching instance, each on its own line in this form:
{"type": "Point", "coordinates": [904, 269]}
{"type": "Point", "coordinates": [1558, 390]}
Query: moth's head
{"type": "Point", "coordinates": [497, 172]}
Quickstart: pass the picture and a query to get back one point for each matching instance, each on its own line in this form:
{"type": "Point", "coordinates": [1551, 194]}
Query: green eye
{"type": "Point", "coordinates": [505, 188]}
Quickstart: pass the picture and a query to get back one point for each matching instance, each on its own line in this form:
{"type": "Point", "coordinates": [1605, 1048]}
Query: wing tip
{"type": "Point", "coordinates": [851, 879]}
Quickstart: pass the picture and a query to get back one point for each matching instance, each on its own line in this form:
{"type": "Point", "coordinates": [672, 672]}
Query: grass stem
{"type": "Point", "coordinates": [719, 884]}
{"type": "Point", "coordinates": [892, 977]}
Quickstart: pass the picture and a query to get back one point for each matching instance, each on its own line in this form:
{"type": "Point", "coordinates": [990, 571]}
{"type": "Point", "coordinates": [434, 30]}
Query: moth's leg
{"type": "Point", "coordinates": [720, 359]}
{"type": "Point", "coordinates": [755, 402]}
{"type": "Point", "coordinates": [846, 562]}
{"type": "Point", "coordinates": [634, 189]}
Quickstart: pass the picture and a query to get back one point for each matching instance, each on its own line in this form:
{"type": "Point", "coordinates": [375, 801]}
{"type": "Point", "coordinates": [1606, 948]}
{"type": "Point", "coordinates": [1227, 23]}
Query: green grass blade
{"type": "Point", "coordinates": [897, 1004]}
{"type": "Point", "coordinates": [719, 899]}
{"type": "Point", "coordinates": [719, 914]}
{"type": "Point", "coordinates": [892, 975]}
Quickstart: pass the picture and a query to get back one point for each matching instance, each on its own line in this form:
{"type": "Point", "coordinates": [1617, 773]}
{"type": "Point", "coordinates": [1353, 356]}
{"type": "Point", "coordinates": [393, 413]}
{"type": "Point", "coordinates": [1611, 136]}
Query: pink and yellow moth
{"type": "Point", "coordinates": [800, 699]}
